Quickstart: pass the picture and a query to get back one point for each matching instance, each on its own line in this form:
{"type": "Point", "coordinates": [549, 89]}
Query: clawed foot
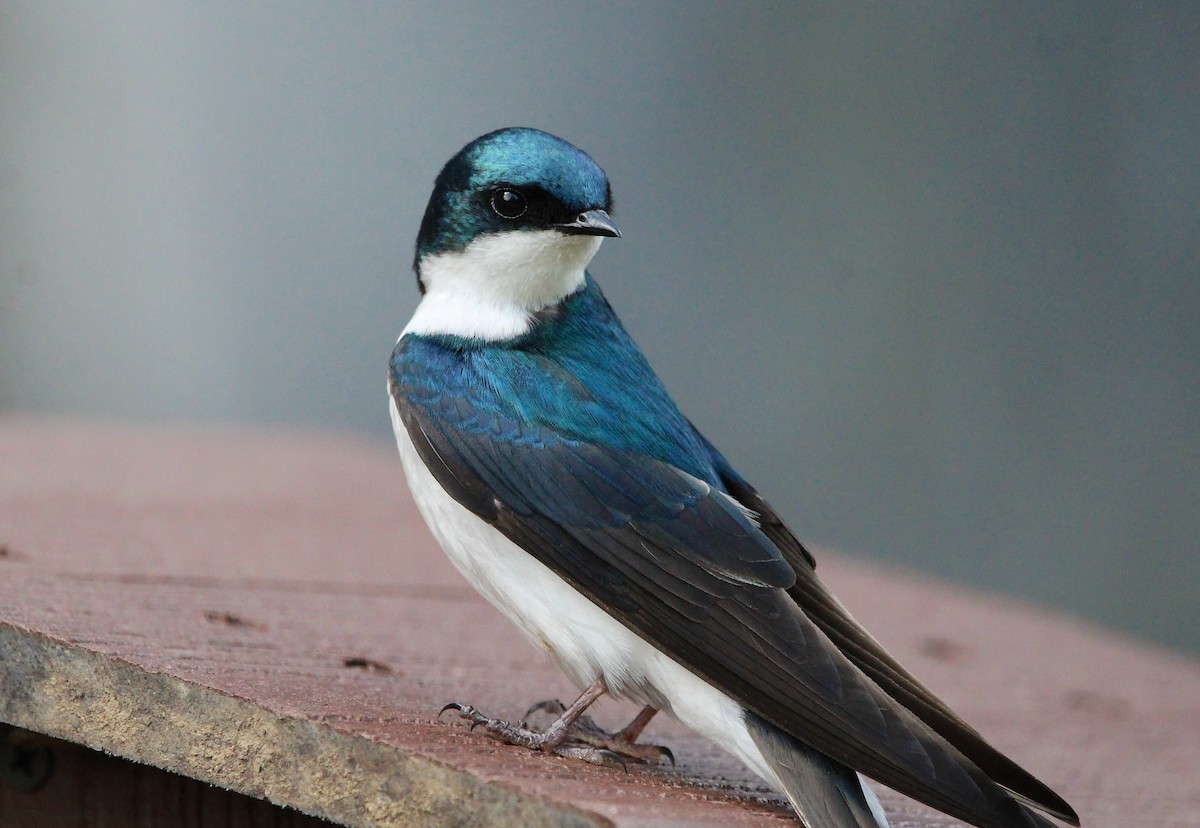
{"type": "Point", "coordinates": [623, 742]}
{"type": "Point", "coordinates": [572, 734]}
{"type": "Point", "coordinates": [549, 740]}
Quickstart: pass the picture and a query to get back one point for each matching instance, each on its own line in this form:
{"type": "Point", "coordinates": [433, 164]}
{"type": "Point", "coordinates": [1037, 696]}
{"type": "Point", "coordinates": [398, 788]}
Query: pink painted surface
{"type": "Point", "coordinates": [262, 564]}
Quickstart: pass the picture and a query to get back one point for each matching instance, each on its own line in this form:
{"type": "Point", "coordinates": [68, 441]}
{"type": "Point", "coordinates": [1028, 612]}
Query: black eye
{"type": "Point", "coordinates": [509, 204]}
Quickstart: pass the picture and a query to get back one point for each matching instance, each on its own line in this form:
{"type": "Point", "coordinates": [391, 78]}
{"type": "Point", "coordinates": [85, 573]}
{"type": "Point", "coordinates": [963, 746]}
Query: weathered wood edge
{"type": "Point", "coordinates": [108, 704]}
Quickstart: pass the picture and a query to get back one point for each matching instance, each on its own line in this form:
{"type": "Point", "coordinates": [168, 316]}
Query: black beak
{"type": "Point", "coordinates": [590, 223]}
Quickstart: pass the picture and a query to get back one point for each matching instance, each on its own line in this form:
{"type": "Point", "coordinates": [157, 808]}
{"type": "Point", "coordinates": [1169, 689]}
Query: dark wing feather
{"type": "Point", "coordinates": [679, 562]}
{"type": "Point", "coordinates": [869, 655]}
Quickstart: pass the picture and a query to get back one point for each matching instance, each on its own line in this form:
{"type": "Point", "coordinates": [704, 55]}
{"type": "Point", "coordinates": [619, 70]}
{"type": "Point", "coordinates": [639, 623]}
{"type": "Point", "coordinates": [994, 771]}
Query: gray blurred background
{"type": "Point", "coordinates": [929, 274]}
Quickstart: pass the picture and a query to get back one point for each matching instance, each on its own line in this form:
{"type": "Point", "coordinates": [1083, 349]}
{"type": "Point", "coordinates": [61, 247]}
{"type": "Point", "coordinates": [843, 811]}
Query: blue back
{"type": "Point", "coordinates": [577, 373]}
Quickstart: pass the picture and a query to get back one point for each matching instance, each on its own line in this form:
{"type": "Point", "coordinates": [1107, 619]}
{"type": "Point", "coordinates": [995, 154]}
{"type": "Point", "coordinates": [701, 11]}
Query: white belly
{"type": "Point", "coordinates": [583, 639]}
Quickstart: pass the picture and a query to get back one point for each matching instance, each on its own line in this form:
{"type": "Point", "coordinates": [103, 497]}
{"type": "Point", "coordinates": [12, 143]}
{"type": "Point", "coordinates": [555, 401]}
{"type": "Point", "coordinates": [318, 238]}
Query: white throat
{"type": "Point", "coordinates": [491, 289]}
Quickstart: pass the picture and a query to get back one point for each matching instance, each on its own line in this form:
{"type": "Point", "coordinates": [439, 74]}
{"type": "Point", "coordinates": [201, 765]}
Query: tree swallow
{"type": "Point", "coordinates": [566, 486]}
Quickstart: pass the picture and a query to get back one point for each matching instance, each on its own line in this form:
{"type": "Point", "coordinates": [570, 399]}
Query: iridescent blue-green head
{"type": "Point", "coordinates": [515, 179]}
{"type": "Point", "coordinates": [513, 221]}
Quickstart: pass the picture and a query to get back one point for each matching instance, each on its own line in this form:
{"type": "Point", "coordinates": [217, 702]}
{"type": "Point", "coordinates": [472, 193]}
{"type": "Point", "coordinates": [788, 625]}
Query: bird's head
{"type": "Point", "coordinates": [514, 219]}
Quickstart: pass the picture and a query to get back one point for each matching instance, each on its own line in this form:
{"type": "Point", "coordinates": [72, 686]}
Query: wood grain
{"type": "Point", "coordinates": [89, 788]}
{"type": "Point", "coordinates": [264, 611]}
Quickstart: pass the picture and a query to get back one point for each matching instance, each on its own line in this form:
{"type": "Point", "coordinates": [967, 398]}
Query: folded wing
{"type": "Point", "coordinates": [680, 561]}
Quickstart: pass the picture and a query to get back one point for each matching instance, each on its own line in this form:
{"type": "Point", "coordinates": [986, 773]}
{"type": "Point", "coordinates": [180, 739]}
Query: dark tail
{"type": "Point", "coordinates": [824, 793]}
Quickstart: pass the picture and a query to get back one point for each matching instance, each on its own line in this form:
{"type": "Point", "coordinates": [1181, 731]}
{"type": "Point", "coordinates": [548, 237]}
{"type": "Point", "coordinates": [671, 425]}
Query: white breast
{"type": "Point", "coordinates": [582, 638]}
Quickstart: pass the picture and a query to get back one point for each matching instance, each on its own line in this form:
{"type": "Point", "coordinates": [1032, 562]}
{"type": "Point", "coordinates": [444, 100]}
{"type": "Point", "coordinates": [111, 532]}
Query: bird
{"type": "Point", "coordinates": [564, 483]}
